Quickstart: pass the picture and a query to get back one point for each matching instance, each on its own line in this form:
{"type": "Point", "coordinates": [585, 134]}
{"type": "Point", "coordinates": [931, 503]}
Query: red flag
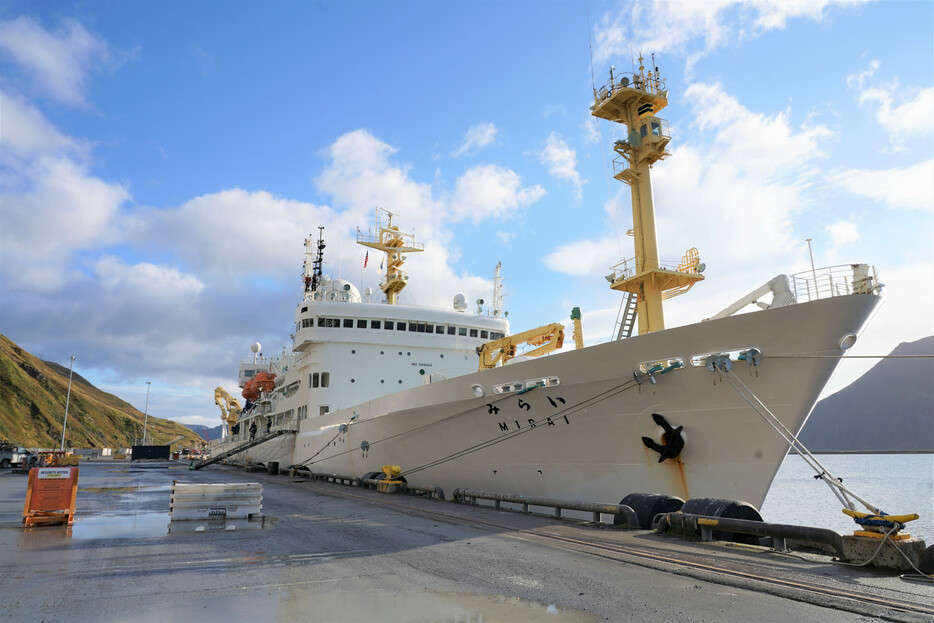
{"type": "Point", "coordinates": [366, 259]}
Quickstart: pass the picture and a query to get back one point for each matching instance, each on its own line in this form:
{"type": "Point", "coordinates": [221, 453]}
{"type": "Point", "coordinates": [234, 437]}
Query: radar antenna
{"type": "Point", "coordinates": [314, 279]}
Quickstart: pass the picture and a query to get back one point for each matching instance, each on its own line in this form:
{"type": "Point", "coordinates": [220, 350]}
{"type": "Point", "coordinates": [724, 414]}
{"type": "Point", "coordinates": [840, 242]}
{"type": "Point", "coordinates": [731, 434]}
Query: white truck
{"type": "Point", "coordinates": [11, 456]}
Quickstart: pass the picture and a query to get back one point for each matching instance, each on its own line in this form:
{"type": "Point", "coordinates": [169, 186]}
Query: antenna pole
{"type": "Point", "coordinates": [813, 270]}
{"type": "Point", "coordinates": [146, 412]}
{"type": "Point", "coordinates": [67, 400]}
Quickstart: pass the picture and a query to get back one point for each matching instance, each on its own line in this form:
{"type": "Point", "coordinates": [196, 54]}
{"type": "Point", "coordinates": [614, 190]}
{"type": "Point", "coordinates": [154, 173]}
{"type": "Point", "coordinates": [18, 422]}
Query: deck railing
{"type": "Point", "coordinates": [831, 281]}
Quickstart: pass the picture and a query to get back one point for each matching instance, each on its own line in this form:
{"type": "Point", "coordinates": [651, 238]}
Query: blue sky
{"type": "Point", "coordinates": [162, 162]}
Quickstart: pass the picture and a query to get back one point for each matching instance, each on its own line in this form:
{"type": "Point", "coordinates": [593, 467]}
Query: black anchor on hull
{"type": "Point", "coordinates": [672, 438]}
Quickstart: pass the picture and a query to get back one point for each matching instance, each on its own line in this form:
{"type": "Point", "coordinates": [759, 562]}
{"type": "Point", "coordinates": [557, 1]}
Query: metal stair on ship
{"type": "Point", "coordinates": [246, 445]}
{"type": "Point", "coordinates": [627, 315]}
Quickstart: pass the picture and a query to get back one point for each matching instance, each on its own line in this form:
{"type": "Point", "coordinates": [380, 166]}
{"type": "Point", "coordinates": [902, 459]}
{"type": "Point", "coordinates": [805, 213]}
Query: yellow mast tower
{"type": "Point", "coordinates": [633, 100]}
{"type": "Point", "coordinates": [393, 243]}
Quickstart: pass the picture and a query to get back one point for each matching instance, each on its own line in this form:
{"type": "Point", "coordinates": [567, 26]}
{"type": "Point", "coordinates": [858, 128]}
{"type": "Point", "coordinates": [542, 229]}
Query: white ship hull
{"type": "Point", "coordinates": [582, 438]}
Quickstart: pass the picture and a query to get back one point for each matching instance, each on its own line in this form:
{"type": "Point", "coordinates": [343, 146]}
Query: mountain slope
{"type": "Point", "coordinates": [32, 408]}
{"type": "Point", "coordinates": [890, 408]}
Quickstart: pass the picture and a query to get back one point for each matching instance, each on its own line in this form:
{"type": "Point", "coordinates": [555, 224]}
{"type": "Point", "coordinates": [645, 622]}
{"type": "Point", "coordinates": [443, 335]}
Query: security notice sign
{"type": "Point", "coordinates": [50, 495]}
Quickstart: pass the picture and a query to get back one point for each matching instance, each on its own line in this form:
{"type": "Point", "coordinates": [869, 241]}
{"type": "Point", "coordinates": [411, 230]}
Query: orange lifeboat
{"type": "Point", "coordinates": [262, 382]}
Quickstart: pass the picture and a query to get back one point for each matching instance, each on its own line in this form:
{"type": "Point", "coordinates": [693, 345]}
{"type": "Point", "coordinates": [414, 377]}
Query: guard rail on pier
{"type": "Point", "coordinates": [597, 509]}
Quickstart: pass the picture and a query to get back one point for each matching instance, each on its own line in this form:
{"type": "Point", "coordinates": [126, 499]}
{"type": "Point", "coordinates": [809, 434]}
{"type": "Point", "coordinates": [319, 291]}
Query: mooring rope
{"type": "Point", "coordinates": [835, 484]}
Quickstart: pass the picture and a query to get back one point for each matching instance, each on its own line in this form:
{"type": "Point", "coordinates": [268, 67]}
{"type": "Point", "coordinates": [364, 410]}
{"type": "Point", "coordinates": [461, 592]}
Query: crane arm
{"type": "Point", "coordinates": [548, 338]}
{"type": "Point", "coordinates": [230, 407]}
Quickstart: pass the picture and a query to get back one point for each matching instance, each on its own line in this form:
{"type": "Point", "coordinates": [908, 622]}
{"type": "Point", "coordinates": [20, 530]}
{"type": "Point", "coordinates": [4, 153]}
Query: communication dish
{"type": "Point", "coordinates": [255, 347]}
{"type": "Point", "coordinates": [635, 139]}
{"type": "Point", "coordinates": [460, 302]}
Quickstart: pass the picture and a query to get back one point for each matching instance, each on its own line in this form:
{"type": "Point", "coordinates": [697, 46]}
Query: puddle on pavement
{"type": "Point", "coordinates": [422, 606]}
{"type": "Point", "coordinates": [120, 526]}
{"type": "Point", "coordinates": [150, 525]}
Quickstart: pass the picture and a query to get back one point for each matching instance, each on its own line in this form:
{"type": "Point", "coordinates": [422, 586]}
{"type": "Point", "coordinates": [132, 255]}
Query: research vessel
{"type": "Point", "coordinates": [446, 394]}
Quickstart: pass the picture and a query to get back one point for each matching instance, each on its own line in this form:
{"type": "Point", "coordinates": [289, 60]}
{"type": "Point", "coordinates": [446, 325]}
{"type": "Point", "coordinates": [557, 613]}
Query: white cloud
{"type": "Point", "coordinates": [584, 257]}
{"type": "Point", "coordinates": [856, 80]}
{"type": "Point", "coordinates": [591, 129]}
{"type": "Point", "coordinates": [904, 188]}
{"type": "Point", "coordinates": [27, 133]}
{"type": "Point", "coordinates": [561, 161]}
{"type": "Point", "coordinates": [842, 233]}
{"type": "Point", "coordinates": [914, 114]}
{"type": "Point", "coordinates": [477, 137]}
{"type": "Point", "coordinates": [145, 280]}
{"type": "Point", "coordinates": [489, 191]}
{"type": "Point", "coordinates": [232, 232]}
{"type": "Point", "coordinates": [741, 192]}
{"type": "Point", "coordinates": [505, 236]}
{"type": "Point", "coordinates": [57, 63]}
{"type": "Point", "coordinates": [754, 143]}
{"type": "Point", "coordinates": [56, 209]}
{"type": "Point", "coordinates": [697, 28]}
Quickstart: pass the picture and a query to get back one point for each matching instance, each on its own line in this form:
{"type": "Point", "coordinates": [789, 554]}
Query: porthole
{"type": "Point", "coordinates": [353, 352]}
{"type": "Point", "coordinates": [409, 354]}
{"type": "Point", "coordinates": [381, 353]}
{"type": "Point", "coordinates": [382, 381]}
{"type": "Point", "coordinates": [400, 353]}
{"type": "Point", "coordinates": [400, 381]}
{"type": "Point", "coordinates": [442, 355]}
{"type": "Point", "coordinates": [422, 371]}
{"type": "Point", "coordinates": [352, 381]}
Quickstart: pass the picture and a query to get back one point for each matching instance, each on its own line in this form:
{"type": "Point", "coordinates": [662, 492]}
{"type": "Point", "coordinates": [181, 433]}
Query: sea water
{"type": "Point", "coordinates": [898, 484]}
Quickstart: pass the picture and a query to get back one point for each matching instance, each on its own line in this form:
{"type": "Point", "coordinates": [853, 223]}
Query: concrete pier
{"type": "Point", "coordinates": [329, 552]}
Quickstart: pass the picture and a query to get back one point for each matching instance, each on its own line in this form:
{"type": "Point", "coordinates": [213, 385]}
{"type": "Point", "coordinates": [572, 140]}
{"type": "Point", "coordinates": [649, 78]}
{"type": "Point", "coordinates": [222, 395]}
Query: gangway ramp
{"type": "Point", "coordinates": [246, 445]}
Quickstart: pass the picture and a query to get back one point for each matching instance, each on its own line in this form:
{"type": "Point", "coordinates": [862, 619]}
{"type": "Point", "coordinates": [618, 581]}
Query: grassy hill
{"type": "Point", "coordinates": [32, 407]}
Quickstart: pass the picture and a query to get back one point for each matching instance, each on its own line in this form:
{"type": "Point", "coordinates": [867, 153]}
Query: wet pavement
{"type": "Point", "coordinates": [314, 556]}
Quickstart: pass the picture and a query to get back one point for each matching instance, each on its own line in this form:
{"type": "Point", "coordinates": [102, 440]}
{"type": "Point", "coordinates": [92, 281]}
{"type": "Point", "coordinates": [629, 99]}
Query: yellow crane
{"type": "Point", "coordinates": [230, 407]}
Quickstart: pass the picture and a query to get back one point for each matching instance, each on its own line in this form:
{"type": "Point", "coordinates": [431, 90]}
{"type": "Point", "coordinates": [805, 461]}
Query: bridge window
{"type": "Point", "coordinates": [388, 325]}
{"type": "Point", "coordinates": [473, 333]}
{"type": "Point", "coordinates": [421, 327]}
{"type": "Point", "coordinates": [451, 330]}
{"type": "Point", "coordinates": [374, 324]}
{"type": "Point", "coordinates": [320, 322]}
{"type": "Point", "coordinates": [325, 379]}
{"type": "Point", "coordinates": [361, 324]}
{"type": "Point", "coordinates": [323, 409]}
{"type": "Point", "coordinates": [315, 379]}
{"type": "Point", "coordinates": [439, 330]}
{"type": "Point", "coordinates": [462, 331]}
{"type": "Point", "coordinates": [348, 323]}
{"type": "Point", "coordinates": [484, 334]}
{"type": "Point", "coordinates": [400, 326]}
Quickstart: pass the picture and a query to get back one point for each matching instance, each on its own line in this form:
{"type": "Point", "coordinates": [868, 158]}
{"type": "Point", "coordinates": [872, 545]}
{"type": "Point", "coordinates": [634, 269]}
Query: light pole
{"type": "Point", "coordinates": [67, 400]}
{"type": "Point", "coordinates": [146, 413]}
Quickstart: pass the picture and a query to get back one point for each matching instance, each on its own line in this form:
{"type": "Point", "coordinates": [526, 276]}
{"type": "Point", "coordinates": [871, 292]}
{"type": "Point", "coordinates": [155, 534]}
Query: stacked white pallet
{"type": "Point", "coordinates": [240, 500]}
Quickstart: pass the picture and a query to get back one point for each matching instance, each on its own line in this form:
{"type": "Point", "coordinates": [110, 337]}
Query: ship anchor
{"type": "Point", "coordinates": [671, 438]}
